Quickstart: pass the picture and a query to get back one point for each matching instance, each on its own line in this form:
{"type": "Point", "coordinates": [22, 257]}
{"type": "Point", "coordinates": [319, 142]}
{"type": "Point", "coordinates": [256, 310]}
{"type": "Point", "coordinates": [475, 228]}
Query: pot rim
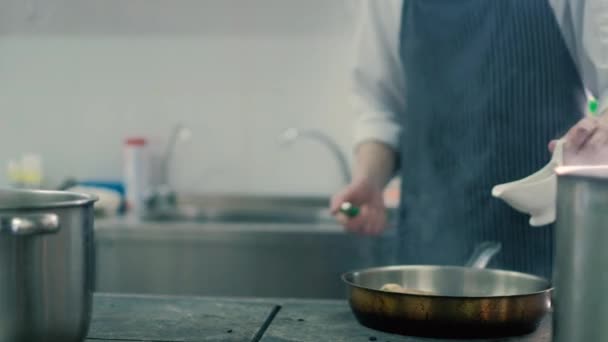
{"type": "Point", "coordinates": [66, 199]}
{"type": "Point", "coordinates": [583, 171]}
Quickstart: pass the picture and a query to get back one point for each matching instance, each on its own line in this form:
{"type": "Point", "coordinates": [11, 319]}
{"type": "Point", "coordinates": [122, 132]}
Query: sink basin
{"type": "Point", "coordinates": [246, 208]}
{"type": "Point", "coordinates": [233, 259]}
{"type": "Point", "coordinates": [236, 245]}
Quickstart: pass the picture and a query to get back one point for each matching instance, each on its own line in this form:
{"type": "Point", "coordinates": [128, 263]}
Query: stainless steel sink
{"type": "Point", "coordinates": [233, 259]}
{"type": "Point", "coordinates": [245, 208]}
{"type": "Point", "coordinates": [237, 208]}
{"type": "Point", "coordinates": [235, 245]}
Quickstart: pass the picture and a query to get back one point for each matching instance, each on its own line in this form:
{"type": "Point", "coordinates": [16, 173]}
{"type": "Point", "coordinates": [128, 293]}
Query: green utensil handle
{"type": "Point", "coordinates": [349, 209]}
{"type": "Point", "coordinates": [593, 107]}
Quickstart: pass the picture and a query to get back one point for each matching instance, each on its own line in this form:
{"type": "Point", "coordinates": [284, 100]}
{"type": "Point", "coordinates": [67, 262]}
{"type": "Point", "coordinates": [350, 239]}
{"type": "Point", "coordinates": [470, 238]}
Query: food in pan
{"type": "Point", "coordinates": [391, 287]}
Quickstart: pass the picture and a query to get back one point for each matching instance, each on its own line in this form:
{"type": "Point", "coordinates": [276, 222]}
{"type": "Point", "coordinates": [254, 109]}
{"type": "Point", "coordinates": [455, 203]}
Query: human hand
{"type": "Point", "coordinates": [371, 219]}
{"type": "Point", "coordinates": [586, 142]}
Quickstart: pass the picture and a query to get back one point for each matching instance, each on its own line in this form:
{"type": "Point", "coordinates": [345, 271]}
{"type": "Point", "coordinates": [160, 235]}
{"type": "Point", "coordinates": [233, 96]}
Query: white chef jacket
{"type": "Point", "coordinates": [378, 83]}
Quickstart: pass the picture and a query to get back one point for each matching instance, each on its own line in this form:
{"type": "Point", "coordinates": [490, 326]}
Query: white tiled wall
{"type": "Point", "coordinates": [77, 76]}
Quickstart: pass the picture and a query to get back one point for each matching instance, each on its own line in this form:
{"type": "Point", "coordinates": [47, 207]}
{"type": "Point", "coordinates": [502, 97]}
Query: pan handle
{"type": "Point", "coordinates": [483, 253]}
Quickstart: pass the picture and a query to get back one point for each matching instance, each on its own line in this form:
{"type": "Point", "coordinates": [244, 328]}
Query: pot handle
{"type": "Point", "coordinates": [484, 252]}
{"type": "Point", "coordinates": [29, 224]}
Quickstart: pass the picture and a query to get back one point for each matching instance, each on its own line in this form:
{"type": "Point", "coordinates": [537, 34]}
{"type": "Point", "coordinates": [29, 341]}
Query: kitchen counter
{"type": "Point", "coordinates": [122, 318]}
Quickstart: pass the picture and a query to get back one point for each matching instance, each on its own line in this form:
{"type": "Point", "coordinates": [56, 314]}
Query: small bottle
{"type": "Point", "coordinates": [135, 174]}
{"type": "Point", "coordinates": [31, 171]}
{"type": "Point", "coordinates": [14, 174]}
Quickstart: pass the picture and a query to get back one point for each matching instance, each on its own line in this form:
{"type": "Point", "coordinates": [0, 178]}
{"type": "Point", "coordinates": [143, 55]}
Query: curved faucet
{"type": "Point", "coordinates": [162, 198]}
{"type": "Point", "coordinates": [290, 135]}
{"type": "Point", "coordinates": [179, 133]}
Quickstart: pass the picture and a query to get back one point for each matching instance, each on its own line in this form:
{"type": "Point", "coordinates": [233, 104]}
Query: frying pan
{"type": "Point", "coordinates": [450, 301]}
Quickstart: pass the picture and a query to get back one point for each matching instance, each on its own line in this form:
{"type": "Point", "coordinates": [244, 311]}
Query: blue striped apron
{"type": "Point", "coordinates": [489, 83]}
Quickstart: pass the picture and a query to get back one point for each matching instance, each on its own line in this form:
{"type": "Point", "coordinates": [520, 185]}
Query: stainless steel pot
{"type": "Point", "coordinates": [581, 255]}
{"type": "Point", "coordinates": [46, 265]}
